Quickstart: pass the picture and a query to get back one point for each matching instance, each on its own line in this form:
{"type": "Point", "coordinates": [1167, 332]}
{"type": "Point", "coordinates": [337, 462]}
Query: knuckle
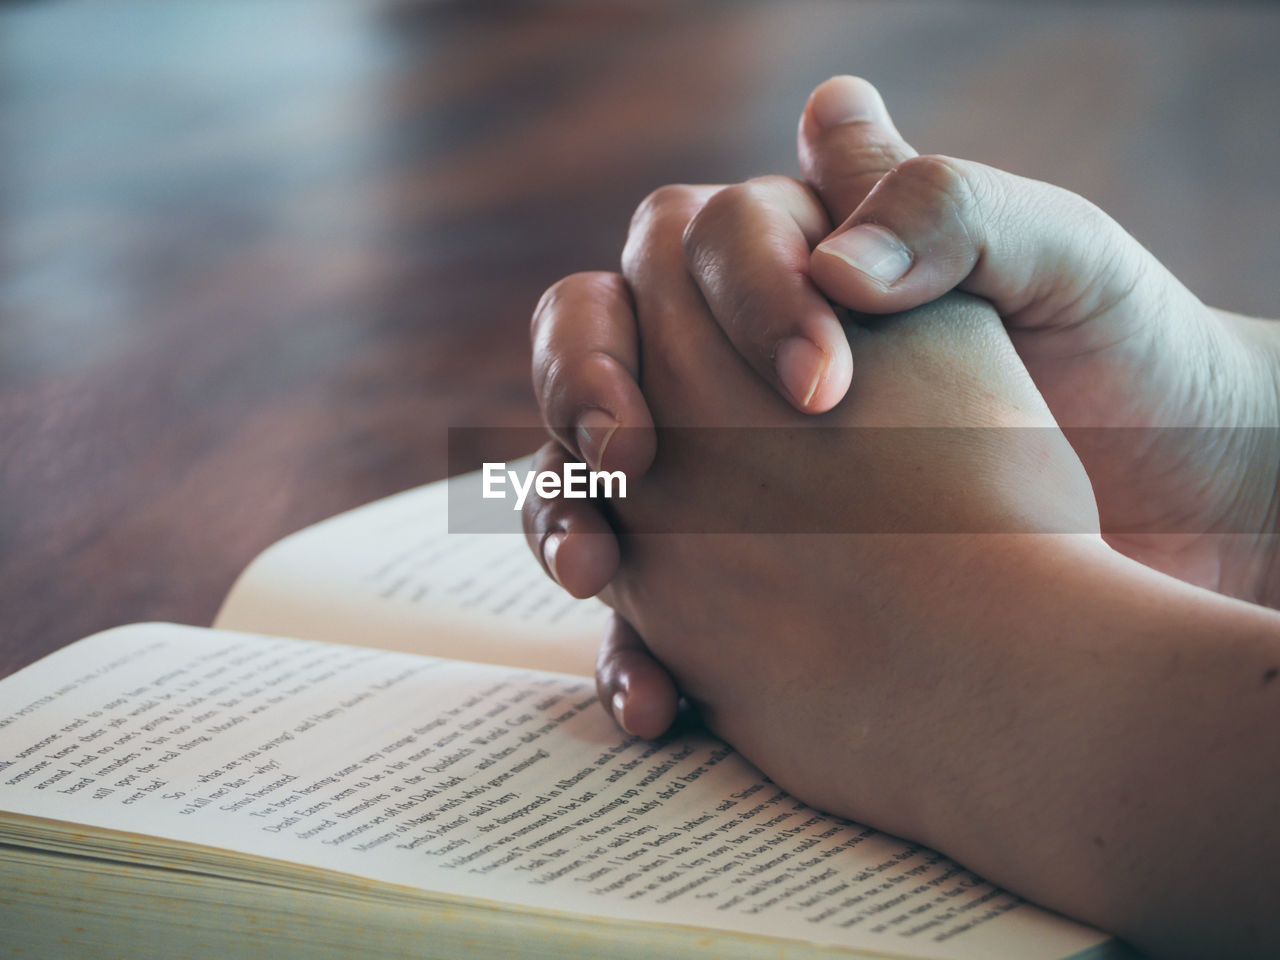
{"type": "Point", "coordinates": [587, 287]}
{"type": "Point", "coordinates": [670, 201]}
{"type": "Point", "coordinates": [658, 226]}
{"type": "Point", "coordinates": [741, 201]}
{"type": "Point", "coordinates": [876, 156]}
{"type": "Point", "coordinates": [555, 389]}
{"type": "Point", "coordinates": [571, 383]}
{"type": "Point", "coordinates": [550, 305]}
{"type": "Point", "coordinates": [716, 219]}
{"type": "Point", "coordinates": [857, 166]}
{"type": "Point", "coordinates": [936, 176]}
{"type": "Point", "coordinates": [952, 194]}
{"type": "Point", "coordinates": [771, 184]}
{"type": "Point", "coordinates": [741, 210]}
{"type": "Point", "coordinates": [561, 325]}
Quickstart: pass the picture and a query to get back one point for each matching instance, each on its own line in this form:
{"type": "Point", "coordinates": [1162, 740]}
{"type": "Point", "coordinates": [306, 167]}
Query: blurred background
{"type": "Point", "coordinates": [257, 255]}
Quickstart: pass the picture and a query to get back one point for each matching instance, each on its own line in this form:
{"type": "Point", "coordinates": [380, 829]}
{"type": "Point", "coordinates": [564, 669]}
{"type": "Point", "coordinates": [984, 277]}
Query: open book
{"type": "Point", "coordinates": [372, 756]}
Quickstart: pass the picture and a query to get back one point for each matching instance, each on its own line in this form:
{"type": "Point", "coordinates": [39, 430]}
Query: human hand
{"type": "Point", "coordinates": [1036, 706]}
{"type": "Point", "coordinates": [637, 689]}
{"type": "Point", "coordinates": [779, 639]}
{"type": "Point", "coordinates": [1085, 305]}
{"type": "Point", "coordinates": [1133, 366]}
{"type": "Point", "coordinates": [1111, 339]}
{"type": "Point", "coordinates": [586, 362]}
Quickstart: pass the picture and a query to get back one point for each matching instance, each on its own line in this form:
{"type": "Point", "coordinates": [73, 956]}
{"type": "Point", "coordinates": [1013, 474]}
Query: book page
{"type": "Point", "coordinates": [391, 575]}
{"type": "Point", "coordinates": [464, 780]}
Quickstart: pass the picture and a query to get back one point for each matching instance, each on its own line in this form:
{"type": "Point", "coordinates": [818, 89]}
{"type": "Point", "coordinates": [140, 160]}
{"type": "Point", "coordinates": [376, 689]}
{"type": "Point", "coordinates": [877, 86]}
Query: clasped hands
{"type": "Point", "coordinates": [1014, 318]}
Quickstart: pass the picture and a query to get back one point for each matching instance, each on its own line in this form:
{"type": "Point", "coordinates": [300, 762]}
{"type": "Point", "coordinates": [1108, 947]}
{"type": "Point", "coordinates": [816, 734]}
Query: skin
{"type": "Point", "coordinates": [1110, 338]}
{"type": "Point", "coordinates": [1056, 701]}
{"type": "Point", "coordinates": [1088, 727]}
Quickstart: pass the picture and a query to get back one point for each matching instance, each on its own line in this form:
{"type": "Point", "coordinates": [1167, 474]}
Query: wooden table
{"type": "Point", "coordinates": [255, 258]}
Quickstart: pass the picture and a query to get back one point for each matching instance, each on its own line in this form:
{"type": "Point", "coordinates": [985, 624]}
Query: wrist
{"type": "Point", "coordinates": [1023, 600]}
{"type": "Point", "coordinates": [948, 745]}
{"type": "Point", "coordinates": [1255, 346]}
{"type": "Point", "coordinates": [1109, 753]}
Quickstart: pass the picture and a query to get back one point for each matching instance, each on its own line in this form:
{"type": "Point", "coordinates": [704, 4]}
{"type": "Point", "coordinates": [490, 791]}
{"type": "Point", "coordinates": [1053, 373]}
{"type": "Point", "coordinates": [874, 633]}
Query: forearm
{"type": "Point", "coordinates": [1126, 763]}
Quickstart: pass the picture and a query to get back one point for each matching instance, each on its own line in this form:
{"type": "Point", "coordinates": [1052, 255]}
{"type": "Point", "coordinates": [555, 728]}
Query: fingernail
{"type": "Point", "coordinates": [844, 100]}
{"type": "Point", "coordinates": [595, 430]}
{"type": "Point", "coordinates": [619, 708]}
{"type": "Point", "coordinates": [550, 547]}
{"type": "Point", "coordinates": [800, 365]}
{"type": "Point", "coordinates": [872, 249]}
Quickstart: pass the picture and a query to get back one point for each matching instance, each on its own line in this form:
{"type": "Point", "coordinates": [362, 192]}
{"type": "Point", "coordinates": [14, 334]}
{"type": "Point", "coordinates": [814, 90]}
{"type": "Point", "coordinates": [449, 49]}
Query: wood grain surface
{"type": "Point", "coordinates": [256, 256]}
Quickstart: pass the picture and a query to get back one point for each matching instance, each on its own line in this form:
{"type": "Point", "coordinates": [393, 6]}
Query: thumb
{"type": "Point", "coordinates": [1043, 256]}
{"type": "Point", "coordinates": [847, 142]}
